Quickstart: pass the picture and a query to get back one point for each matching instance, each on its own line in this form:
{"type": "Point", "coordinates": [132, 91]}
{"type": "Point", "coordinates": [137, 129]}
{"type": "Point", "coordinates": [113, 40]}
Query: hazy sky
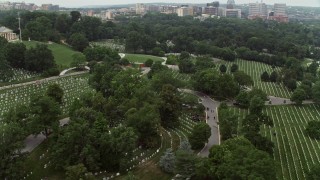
{"type": "Point", "coordinates": [75, 3]}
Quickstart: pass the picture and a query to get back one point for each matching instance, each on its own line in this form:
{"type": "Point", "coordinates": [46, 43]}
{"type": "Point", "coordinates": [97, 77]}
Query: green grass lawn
{"type": "Point", "coordinates": [141, 58]}
{"type": "Point", "coordinates": [255, 69]}
{"type": "Point", "coordinates": [294, 151]}
{"type": "Point", "coordinates": [62, 53]}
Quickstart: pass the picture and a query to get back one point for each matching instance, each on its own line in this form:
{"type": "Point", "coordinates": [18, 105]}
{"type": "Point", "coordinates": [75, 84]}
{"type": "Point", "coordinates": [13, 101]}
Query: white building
{"type": "Point", "coordinates": [185, 11]}
{"type": "Point", "coordinates": [8, 34]}
{"type": "Point", "coordinates": [140, 8]}
{"type": "Point", "coordinates": [109, 15]}
{"type": "Point", "coordinates": [280, 9]}
{"type": "Point", "coordinates": [258, 10]}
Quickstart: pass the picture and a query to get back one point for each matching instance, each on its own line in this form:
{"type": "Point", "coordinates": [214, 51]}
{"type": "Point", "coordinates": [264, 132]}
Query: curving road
{"type": "Point", "coordinates": [212, 120]}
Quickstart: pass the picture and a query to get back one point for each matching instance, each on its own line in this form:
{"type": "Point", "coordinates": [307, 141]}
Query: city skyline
{"type": "Point", "coordinates": [79, 3]}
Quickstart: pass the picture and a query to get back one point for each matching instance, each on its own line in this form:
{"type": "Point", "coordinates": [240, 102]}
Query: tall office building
{"type": "Point", "coordinates": [258, 10]}
{"type": "Point", "coordinates": [280, 9]}
{"type": "Point", "coordinates": [140, 8]}
{"type": "Point", "coordinates": [230, 4]}
{"type": "Point", "coordinates": [212, 8]}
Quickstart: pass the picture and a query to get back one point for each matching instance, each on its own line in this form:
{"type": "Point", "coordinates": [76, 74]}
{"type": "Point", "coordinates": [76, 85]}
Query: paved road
{"type": "Point", "coordinates": [211, 111]}
{"type": "Point", "coordinates": [283, 101]}
{"type": "Point", "coordinates": [66, 70]}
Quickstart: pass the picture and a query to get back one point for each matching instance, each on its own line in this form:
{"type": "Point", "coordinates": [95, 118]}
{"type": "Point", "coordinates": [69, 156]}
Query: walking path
{"type": "Point", "coordinates": [211, 119]}
{"type": "Point", "coordinates": [66, 70]}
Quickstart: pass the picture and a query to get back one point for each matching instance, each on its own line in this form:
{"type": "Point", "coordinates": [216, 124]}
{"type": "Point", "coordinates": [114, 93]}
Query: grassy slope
{"type": "Point", "coordinates": [255, 69]}
{"type": "Point", "coordinates": [141, 58]}
{"type": "Point", "coordinates": [294, 151]}
{"type": "Point", "coordinates": [62, 53]}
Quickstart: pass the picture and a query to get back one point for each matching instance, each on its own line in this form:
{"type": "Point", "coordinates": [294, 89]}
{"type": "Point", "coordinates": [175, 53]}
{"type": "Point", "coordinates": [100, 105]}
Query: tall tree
{"type": "Point", "coordinates": [15, 55]}
{"type": "Point", "coordinates": [167, 161]}
{"type": "Point", "coordinates": [200, 135]}
{"type": "Point", "coordinates": [44, 114]}
{"type": "Point", "coordinates": [39, 58]}
{"type": "Point", "coordinates": [78, 41]}
{"type": "Point", "coordinates": [55, 92]}
{"type": "Point", "coordinates": [170, 106]}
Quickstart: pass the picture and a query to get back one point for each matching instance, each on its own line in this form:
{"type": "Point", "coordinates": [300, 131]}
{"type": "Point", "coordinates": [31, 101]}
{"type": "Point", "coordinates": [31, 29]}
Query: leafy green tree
{"type": "Point", "coordinates": [234, 68]}
{"type": "Point", "coordinates": [167, 161]}
{"type": "Point", "coordinates": [6, 72]}
{"type": "Point", "coordinates": [206, 81]}
{"type": "Point", "coordinates": [78, 41]}
{"type": "Point", "coordinates": [184, 55]}
{"type": "Point", "coordinates": [243, 99]}
{"type": "Point", "coordinates": [39, 58]}
{"type": "Point", "coordinates": [313, 129]}
{"type": "Point", "coordinates": [146, 121]}
{"type": "Point", "coordinates": [170, 106]}
{"type": "Point", "coordinates": [313, 68]}
{"type": "Point", "coordinates": [316, 92]}
{"type": "Point", "coordinates": [223, 68]}
{"type": "Point", "coordinates": [75, 16]}
{"type": "Point", "coordinates": [76, 172]}
{"type": "Point", "coordinates": [274, 76]}
{"type": "Point", "coordinates": [78, 60]}
{"type": "Point", "coordinates": [314, 172]}
{"type": "Point", "coordinates": [62, 23]}
{"type": "Point", "coordinates": [11, 143]}
{"type": "Point", "coordinates": [147, 43]}
{"type": "Point", "coordinates": [186, 66]}
{"type": "Point", "coordinates": [291, 84]}
{"type": "Point", "coordinates": [298, 96]}
{"type": "Point", "coordinates": [265, 76]}
{"type": "Point", "coordinates": [227, 123]}
{"type": "Point", "coordinates": [227, 87]}
{"type": "Point", "coordinates": [148, 63]}
{"type": "Point", "coordinates": [133, 41]}
{"type": "Point", "coordinates": [204, 63]}
{"type": "Point", "coordinates": [256, 105]}
{"type": "Point", "coordinates": [199, 135]}
{"type": "Point", "coordinates": [242, 78]}
{"type": "Point", "coordinates": [44, 114]}
{"type": "Point", "coordinates": [55, 92]}
{"type": "Point", "coordinates": [237, 158]}
{"type": "Point", "coordinates": [162, 78]}
{"type": "Point", "coordinates": [15, 54]}
{"type": "Point", "coordinates": [185, 164]}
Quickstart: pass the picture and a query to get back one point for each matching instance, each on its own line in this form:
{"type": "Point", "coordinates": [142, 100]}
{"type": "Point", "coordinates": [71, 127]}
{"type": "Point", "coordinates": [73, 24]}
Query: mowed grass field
{"type": "Point", "coordinates": [141, 58]}
{"type": "Point", "coordinates": [255, 69]}
{"type": "Point", "coordinates": [62, 53]}
{"type": "Point", "coordinates": [294, 151]}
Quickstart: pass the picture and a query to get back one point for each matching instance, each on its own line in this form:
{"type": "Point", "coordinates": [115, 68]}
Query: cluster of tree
{"type": "Point", "coordinates": [16, 55]}
{"type": "Point", "coordinates": [313, 129]}
{"type": "Point", "coordinates": [41, 115]}
{"type": "Point", "coordinates": [253, 55]}
{"type": "Point", "coordinates": [200, 135]}
{"type": "Point", "coordinates": [273, 77]}
{"type": "Point", "coordinates": [236, 158]}
{"type": "Point", "coordinates": [182, 162]}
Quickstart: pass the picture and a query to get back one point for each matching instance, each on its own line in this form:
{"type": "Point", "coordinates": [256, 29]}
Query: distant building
{"type": "Point", "coordinates": [211, 10]}
{"type": "Point", "coordinates": [230, 4]}
{"type": "Point", "coordinates": [153, 8]}
{"type": "Point", "coordinates": [140, 8]}
{"type": "Point", "coordinates": [8, 34]}
{"type": "Point", "coordinates": [233, 13]}
{"type": "Point", "coordinates": [90, 13]}
{"type": "Point", "coordinates": [17, 5]}
{"type": "Point", "coordinates": [258, 10]}
{"type": "Point", "coordinates": [49, 7]}
{"type": "Point", "coordinates": [279, 14]}
{"type": "Point", "coordinates": [185, 11]}
{"type": "Point", "coordinates": [109, 15]}
{"type": "Point", "coordinates": [280, 9]}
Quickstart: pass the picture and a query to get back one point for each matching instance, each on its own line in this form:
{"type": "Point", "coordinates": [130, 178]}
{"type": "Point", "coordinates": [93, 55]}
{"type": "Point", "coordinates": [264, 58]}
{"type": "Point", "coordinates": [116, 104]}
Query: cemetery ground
{"type": "Point", "coordinates": [73, 86]}
{"type": "Point", "coordinates": [141, 58]}
{"type": "Point", "coordinates": [294, 151]}
{"type": "Point", "coordinates": [255, 69]}
{"type": "Point", "coordinates": [110, 43]}
{"type": "Point", "coordinates": [62, 53]}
